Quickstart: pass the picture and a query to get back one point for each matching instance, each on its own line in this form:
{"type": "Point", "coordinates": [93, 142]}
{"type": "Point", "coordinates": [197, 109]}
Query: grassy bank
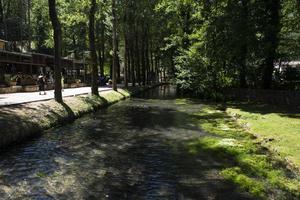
{"type": "Point", "coordinates": [19, 122]}
{"type": "Point", "coordinates": [277, 128]}
{"type": "Point", "coordinates": [246, 162]}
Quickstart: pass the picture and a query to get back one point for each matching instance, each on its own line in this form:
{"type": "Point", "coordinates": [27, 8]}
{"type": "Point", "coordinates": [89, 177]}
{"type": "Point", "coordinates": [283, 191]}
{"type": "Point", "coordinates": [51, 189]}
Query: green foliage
{"type": "Point", "coordinates": [290, 32]}
{"type": "Point", "coordinates": [221, 44]}
{"type": "Point", "coordinates": [41, 25]}
{"type": "Point", "coordinates": [205, 46]}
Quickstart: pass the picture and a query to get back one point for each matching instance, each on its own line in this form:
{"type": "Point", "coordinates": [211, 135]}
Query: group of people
{"type": "Point", "coordinates": [104, 81]}
{"type": "Point", "coordinates": [43, 80]}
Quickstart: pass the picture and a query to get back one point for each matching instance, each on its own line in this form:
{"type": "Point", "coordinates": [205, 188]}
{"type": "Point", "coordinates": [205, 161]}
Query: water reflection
{"type": "Point", "coordinates": [132, 150]}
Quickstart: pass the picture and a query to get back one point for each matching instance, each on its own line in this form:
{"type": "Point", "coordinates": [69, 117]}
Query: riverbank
{"type": "Point", "coordinates": [18, 122]}
{"type": "Point", "coordinates": [276, 127]}
{"type": "Point", "coordinates": [132, 150]}
{"type": "Point", "coordinates": [247, 162]}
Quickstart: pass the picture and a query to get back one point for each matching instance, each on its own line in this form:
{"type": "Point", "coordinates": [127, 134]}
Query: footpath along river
{"type": "Point", "coordinates": [135, 149]}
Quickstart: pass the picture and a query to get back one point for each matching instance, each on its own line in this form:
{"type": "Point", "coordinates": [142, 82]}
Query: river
{"type": "Point", "coordinates": [135, 149]}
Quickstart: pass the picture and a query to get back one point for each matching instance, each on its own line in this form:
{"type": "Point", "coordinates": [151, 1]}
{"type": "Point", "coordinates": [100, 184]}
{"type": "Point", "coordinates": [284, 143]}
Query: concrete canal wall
{"type": "Point", "coordinates": [20, 122]}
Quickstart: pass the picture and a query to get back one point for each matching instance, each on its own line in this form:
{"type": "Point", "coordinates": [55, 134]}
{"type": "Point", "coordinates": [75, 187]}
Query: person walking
{"type": "Point", "coordinates": [62, 82]}
{"type": "Point", "coordinates": [41, 84]}
{"type": "Point", "coordinates": [19, 79]}
{"type": "Point", "coordinates": [51, 80]}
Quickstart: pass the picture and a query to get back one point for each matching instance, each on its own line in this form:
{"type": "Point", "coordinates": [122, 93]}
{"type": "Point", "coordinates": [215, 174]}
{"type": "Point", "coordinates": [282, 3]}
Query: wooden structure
{"type": "Point", "coordinates": [30, 65]}
{"type": "Point", "coordinates": [2, 44]}
{"type": "Point", "coordinates": [33, 62]}
{"type": "Point", "coordinates": [15, 58]}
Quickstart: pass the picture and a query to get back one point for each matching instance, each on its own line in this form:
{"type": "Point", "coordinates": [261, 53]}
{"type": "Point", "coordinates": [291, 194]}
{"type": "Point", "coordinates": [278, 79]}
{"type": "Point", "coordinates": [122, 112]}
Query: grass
{"type": "Point", "coordinates": [278, 129]}
{"type": "Point", "coordinates": [246, 162]}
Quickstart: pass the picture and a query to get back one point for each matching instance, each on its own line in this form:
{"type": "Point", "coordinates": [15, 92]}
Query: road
{"type": "Point", "coordinates": [28, 97]}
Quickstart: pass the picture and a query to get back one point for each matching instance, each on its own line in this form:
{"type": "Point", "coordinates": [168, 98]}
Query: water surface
{"type": "Point", "coordinates": [135, 149]}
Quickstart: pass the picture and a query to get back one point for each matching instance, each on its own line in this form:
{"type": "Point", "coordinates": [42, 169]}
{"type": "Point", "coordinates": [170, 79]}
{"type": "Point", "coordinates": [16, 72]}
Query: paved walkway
{"type": "Point", "coordinates": [20, 98]}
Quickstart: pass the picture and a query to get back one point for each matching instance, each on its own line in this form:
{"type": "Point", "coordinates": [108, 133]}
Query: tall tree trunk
{"type": "Point", "coordinates": [243, 71]}
{"type": "Point", "coordinates": [128, 54]}
{"type": "Point", "coordinates": [1, 13]}
{"type": "Point", "coordinates": [111, 63]}
{"type": "Point", "coordinates": [2, 70]}
{"type": "Point", "coordinates": [129, 79]}
{"type": "Point", "coordinates": [152, 65]}
{"type": "Point", "coordinates": [244, 46]}
{"type": "Point", "coordinates": [57, 45]}
{"type": "Point", "coordinates": [118, 64]}
{"type": "Point", "coordinates": [271, 40]}
{"type": "Point", "coordinates": [143, 61]}
{"type": "Point", "coordinates": [29, 24]}
{"type": "Point", "coordinates": [157, 68]}
{"type": "Point", "coordinates": [115, 43]}
{"type": "Point", "coordinates": [186, 17]}
{"type": "Point", "coordinates": [126, 60]}
{"type": "Point", "coordinates": [93, 53]}
{"type": "Point", "coordinates": [147, 56]}
{"type": "Point", "coordinates": [137, 57]}
{"type": "Point", "coordinates": [102, 51]}
{"type": "Point", "coordinates": [100, 31]}
{"type": "Point", "coordinates": [132, 52]}
{"type": "Point", "coordinates": [8, 10]}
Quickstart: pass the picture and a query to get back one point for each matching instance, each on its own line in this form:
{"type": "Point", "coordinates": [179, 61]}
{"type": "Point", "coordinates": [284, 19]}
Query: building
{"type": "Point", "coordinates": [3, 44]}
{"type": "Point", "coordinates": [30, 65]}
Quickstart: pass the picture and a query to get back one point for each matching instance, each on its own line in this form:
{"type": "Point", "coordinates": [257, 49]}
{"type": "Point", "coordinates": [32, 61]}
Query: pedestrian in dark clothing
{"type": "Point", "coordinates": [102, 80]}
{"type": "Point", "coordinates": [18, 80]}
{"type": "Point", "coordinates": [41, 84]}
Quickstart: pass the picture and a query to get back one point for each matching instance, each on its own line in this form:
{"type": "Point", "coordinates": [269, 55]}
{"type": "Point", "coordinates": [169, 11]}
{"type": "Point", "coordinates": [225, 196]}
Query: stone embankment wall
{"type": "Point", "coordinates": [19, 122]}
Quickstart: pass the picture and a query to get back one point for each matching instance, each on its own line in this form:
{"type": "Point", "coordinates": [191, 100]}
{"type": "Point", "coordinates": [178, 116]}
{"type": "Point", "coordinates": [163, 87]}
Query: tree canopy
{"type": "Point", "coordinates": [202, 46]}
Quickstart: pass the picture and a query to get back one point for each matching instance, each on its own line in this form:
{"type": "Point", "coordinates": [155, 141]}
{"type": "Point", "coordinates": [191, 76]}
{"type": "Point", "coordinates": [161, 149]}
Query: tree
{"type": "Point", "coordinates": [271, 33]}
{"type": "Point", "coordinates": [203, 46]}
{"type": "Point", "coordinates": [40, 26]}
{"type": "Point", "coordinates": [57, 45]}
{"type": "Point", "coordinates": [115, 46]}
{"type": "Point", "coordinates": [93, 53]}
{"type": "Point", "coordinates": [100, 32]}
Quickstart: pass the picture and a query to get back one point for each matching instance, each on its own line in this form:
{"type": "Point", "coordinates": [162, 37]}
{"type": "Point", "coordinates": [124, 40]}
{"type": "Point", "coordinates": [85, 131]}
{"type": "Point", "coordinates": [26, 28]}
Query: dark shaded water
{"type": "Point", "coordinates": [132, 150]}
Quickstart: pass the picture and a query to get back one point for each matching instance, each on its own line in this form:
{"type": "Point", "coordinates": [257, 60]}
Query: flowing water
{"type": "Point", "coordinates": [135, 149]}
